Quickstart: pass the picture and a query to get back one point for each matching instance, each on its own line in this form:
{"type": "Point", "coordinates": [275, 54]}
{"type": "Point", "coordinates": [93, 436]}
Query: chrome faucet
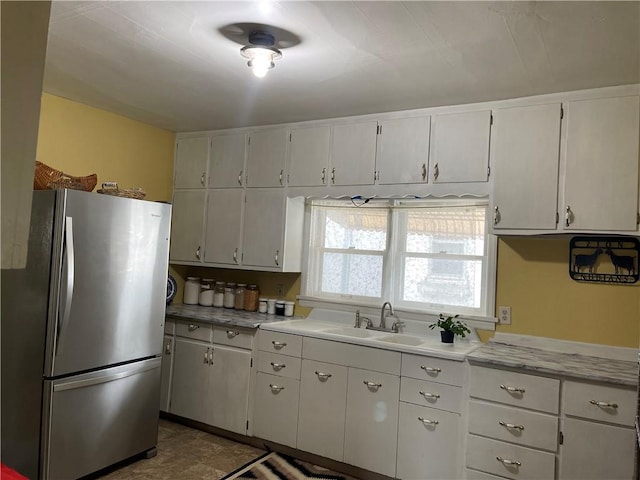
{"type": "Point", "coordinates": [382, 317]}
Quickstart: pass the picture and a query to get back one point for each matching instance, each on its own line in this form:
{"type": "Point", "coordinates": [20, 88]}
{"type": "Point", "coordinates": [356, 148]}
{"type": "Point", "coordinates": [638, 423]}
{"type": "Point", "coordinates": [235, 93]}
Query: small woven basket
{"type": "Point", "coordinates": [48, 178]}
{"type": "Point", "coordinates": [111, 188]}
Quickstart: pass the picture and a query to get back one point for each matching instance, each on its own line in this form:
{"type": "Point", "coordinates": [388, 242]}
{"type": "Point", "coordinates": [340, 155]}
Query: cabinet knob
{"type": "Point", "coordinates": [429, 395]}
{"type": "Point", "coordinates": [431, 369]}
{"type": "Point", "coordinates": [167, 348]}
{"type": "Point", "coordinates": [333, 175]}
{"type": "Point", "coordinates": [281, 174]}
{"type": "Point", "coordinates": [511, 426]}
{"type": "Point", "coordinates": [275, 388]}
{"type": "Point", "coordinates": [279, 345]}
{"type": "Point", "coordinates": [568, 216]}
{"type": "Point", "coordinates": [506, 461]}
{"type": "Point", "coordinates": [198, 252]}
{"type": "Point", "coordinates": [323, 376]}
{"type": "Point", "coordinates": [427, 421]}
{"type": "Point", "coordinates": [235, 255]}
{"type": "Point", "coordinates": [240, 177]}
{"type": "Point", "coordinates": [232, 333]}
{"type": "Point", "coordinates": [372, 384]}
{"type": "Point", "coordinates": [202, 178]}
{"type": "Point", "coordinates": [324, 176]}
{"type": "Point", "coordinates": [436, 172]}
{"type": "Point", "coordinates": [193, 327]}
{"type": "Point", "coordinates": [506, 388]}
{"type": "Point", "coordinates": [206, 357]}
{"type": "Point", "coordinates": [496, 215]}
{"type": "Point", "coordinates": [277, 258]}
{"type": "Point", "coordinates": [603, 404]}
{"type": "Point", "coordinates": [278, 366]}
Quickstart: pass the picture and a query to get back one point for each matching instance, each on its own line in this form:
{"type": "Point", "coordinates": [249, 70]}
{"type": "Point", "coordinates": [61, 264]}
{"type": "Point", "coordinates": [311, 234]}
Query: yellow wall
{"type": "Point", "coordinates": [80, 140]}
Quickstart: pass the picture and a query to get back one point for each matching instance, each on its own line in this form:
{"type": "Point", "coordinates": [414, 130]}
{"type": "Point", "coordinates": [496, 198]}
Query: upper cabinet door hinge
{"type": "Point", "coordinates": [561, 112]}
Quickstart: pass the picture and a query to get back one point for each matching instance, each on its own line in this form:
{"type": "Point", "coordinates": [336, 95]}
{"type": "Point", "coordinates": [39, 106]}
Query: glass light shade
{"type": "Point", "coordinates": [260, 58]}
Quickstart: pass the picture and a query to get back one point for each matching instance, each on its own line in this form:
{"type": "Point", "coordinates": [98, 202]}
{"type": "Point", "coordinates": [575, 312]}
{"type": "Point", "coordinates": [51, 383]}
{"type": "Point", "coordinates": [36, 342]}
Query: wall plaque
{"type": "Point", "coordinates": [604, 259]}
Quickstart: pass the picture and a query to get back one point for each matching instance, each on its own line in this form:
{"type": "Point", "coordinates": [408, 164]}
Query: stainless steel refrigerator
{"type": "Point", "coordinates": [82, 330]}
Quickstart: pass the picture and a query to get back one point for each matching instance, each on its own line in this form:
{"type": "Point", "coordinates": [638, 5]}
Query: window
{"type": "Point", "coordinates": [421, 255]}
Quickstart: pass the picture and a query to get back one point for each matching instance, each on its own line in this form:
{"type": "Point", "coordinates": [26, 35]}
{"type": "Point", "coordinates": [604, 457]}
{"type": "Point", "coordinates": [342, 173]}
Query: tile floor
{"type": "Point", "coordinates": [187, 454]}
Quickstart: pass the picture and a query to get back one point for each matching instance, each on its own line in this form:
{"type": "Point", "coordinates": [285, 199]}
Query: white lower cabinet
{"type": "Point", "coordinates": [190, 387]}
{"type": "Point", "coordinates": [371, 421]}
{"type": "Point", "coordinates": [229, 388]}
{"type": "Point", "coordinates": [428, 441]}
{"type": "Point", "coordinates": [323, 395]}
{"type": "Point", "coordinates": [167, 370]}
{"type": "Point", "coordinates": [275, 413]}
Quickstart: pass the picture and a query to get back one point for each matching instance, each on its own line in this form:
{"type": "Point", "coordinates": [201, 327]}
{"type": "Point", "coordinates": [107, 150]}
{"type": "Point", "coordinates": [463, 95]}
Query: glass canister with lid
{"type": "Point", "coordinates": [230, 295]}
{"type": "Point", "coordinates": [251, 298]}
{"type": "Point", "coordinates": [206, 292]}
{"type": "Point", "coordinates": [239, 296]}
{"type": "Point", "coordinates": [218, 295]}
{"type": "Point", "coordinates": [191, 291]}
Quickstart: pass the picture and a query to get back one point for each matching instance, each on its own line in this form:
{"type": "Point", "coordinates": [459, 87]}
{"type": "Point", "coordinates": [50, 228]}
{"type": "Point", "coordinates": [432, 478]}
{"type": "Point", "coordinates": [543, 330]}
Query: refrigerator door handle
{"type": "Point", "coordinates": [70, 271]}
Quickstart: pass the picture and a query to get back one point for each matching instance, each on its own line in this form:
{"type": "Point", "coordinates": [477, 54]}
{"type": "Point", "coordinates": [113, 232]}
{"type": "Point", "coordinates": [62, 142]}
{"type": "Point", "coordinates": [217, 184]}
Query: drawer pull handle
{"type": "Point", "coordinates": [232, 333]}
{"type": "Point", "coordinates": [431, 369]}
{"type": "Point", "coordinates": [206, 357]}
{"type": "Point", "coordinates": [193, 327]}
{"type": "Point", "coordinates": [506, 461]}
{"type": "Point", "coordinates": [426, 421]}
{"type": "Point", "coordinates": [429, 395]}
{"type": "Point", "coordinates": [278, 366]}
{"type": "Point", "coordinates": [603, 404]}
{"type": "Point", "coordinates": [275, 388]}
{"type": "Point", "coordinates": [372, 384]}
{"type": "Point", "coordinates": [511, 425]}
{"type": "Point", "coordinates": [279, 345]}
{"type": "Point", "coordinates": [512, 389]}
{"type": "Point", "coordinates": [323, 376]}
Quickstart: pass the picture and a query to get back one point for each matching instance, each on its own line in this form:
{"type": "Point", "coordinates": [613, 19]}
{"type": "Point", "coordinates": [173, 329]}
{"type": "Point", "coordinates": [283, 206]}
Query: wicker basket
{"type": "Point", "coordinates": [48, 178]}
{"type": "Point", "coordinates": [111, 188]}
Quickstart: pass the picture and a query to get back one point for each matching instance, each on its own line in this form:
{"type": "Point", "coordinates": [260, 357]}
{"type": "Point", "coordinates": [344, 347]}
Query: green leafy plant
{"type": "Point", "coordinates": [450, 325]}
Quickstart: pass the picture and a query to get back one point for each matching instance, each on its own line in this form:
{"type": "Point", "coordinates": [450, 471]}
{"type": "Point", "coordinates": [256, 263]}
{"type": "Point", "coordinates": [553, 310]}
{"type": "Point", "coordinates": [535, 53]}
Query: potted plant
{"type": "Point", "coordinates": [450, 328]}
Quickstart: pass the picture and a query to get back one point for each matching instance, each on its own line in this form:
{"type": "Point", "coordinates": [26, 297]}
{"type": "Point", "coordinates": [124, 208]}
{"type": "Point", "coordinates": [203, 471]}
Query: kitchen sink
{"type": "Point", "coordinates": [402, 340]}
{"type": "Point", "coordinates": [352, 332]}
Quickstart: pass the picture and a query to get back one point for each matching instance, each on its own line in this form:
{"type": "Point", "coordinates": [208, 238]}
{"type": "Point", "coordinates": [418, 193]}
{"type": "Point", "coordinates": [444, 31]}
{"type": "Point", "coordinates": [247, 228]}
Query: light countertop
{"type": "Point", "coordinates": [222, 316]}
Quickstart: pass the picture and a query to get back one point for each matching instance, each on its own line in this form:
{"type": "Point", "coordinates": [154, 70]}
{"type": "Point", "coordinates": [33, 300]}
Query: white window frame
{"type": "Point", "coordinates": [393, 266]}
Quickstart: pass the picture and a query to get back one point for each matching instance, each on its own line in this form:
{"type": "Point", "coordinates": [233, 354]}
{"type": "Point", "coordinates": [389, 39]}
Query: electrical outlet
{"type": "Point", "coordinates": [279, 290]}
{"type": "Point", "coordinates": [504, 315]}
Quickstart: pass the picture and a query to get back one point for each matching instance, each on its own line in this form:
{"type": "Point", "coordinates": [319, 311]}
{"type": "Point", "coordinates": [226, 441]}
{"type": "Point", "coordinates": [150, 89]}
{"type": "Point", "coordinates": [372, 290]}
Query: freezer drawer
{"type": "Point", "coordinates": [97, 419]}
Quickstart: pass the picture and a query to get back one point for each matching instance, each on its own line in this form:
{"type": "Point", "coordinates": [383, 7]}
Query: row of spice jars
{"type": "Point", "coordinates": [209, 293]}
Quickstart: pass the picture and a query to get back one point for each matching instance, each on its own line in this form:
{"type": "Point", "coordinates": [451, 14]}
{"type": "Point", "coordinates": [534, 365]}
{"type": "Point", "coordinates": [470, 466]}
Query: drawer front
{"type": "Point", "coordinates": [281, 365]}
{"type": "Point", "coordinates": [600, 402]}
{"type": "Point", "coordinates": [433, 369]}
{"type": "Point", "coordinates": [513, 388]}
{"type": "Point", "coordinates": [476, 475]}
{"type": "Point", "coordinates": [513, 425]}
{"type": "Point", "coordinates": [431, 394]}
{"type": "Point", "coordinates": [233, 337]}
{"type": "Point", "coordinates": [195, 330]}
{"type": "Point", "coordinates": [493, 457]}
{"type": "Point", "coordinates": [283, 343]}
{"type": "Point", "coordinates": [169, 327]}
{"type": "Point", "coordinates": [367, 358]}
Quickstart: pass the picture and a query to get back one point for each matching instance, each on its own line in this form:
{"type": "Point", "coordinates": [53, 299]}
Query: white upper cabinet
{"type": "Point", "coordinates": [460, 147]}
{"type": "Point", "coordinates": [224, 226]}
{"type": "Point", "coordinates": [353, 154]}
{"type": "Point", "coordinates": [187, 224]}
{"type": "Point", "coordinates": [266, 157]}
{"type": "Point", "coordinates": [309, 156]}
{"type": "Point", "coordinates": [192, 155]}
{"type": "Point", "coordinates": [601, 181]}
{"type": "Point", "coordinates": [403, 150]}
{"type": "Point", "coordinates": [526, 151]}
{"type": "Point", "coordinates": [226, 164]}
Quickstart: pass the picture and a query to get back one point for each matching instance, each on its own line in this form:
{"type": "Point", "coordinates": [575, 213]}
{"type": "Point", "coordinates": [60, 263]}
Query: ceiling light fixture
{"type": "Point", "coordinates": [261, 53]}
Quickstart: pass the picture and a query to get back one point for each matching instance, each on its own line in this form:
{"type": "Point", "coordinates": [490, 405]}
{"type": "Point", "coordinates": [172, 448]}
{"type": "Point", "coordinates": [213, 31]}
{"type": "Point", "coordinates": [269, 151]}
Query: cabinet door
{"type": "Point", "coordinates": [229, 388]}
{"type": "Point", "coordinates": [596, 451]}
{"type": "Point", "coordinates": [191, 372]}
{"type": "Point", "coordinates": [224, 221]}
{"type": "Point", "coordinates": [353, 154]}
{"type": "Point", "coordinates": [403, 150]}
{"type": "Point", "coordinates": [263, 228]}
{"type": "Point", "coordinates": [275, 410]}
{"type": "Point", "coordinates": [266, 158]}
{"type": "Point", "coordinates": [192, 155]}
{"type": "Point", "coordinates": [460, 147]}
{"type": "Point", "coordinates": [226, 164]}
{"type": "Point", "coordinates": [601, 182]}
{"type": "Point", "coordinates": [525, 166]}
{"type": "Point", "coordinates": [371, 424]}
{"type": "Point", "coordinates": [428, 443]}
{"type": "Point", "coordinates": [187, 224]}
{"type": "Point", "coordinates": [323, 397]}
{"type": "Point", "coordinates": [309, 156]}
{"type": "Point", "coordinates": [167, 369]}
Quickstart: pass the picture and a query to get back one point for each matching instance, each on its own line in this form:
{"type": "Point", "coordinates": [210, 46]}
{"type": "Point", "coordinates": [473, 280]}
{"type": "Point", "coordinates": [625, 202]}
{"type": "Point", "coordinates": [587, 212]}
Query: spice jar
{"type": "Point", "coordinates": [191, 291]}
{"type": "Point", "coordinates": [218, 295]}
{"type": "Point", "coordinates": [251, 298]}
{"type": "Point", "coordinates": [271, 306]}
{"type": "Point", "coordinates": [262, 305]}
{"type": "Point", "coordinates": [239, 296]}
{"type": "Point", "coordinates": [230, 295]}
{"type": "Point", "coordinates": [206, 292]}
{"type": "Point", "coordinates": [288, 308]}
{"type": "Point", "coordinates": [279, 307]}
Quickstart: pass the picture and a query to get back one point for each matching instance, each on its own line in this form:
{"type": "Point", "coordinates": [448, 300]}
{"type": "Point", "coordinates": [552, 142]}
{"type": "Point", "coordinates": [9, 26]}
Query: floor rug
{"type": "Point", "coordinates": [277, 466]}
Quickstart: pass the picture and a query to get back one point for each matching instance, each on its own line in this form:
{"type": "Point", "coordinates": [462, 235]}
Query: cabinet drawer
{"type": "Point", "coordinates": [600, 402]}
{"type": "Point", "coordinates": [169, 327]}
{"type": "Point", "coordinates": [431, 394]}
{"type": "Point", "coordinates": [492, 456]}
{"type": "Point", "coordinates": [233, 337]}
{"type": "Point", "coordinates": [520, 389]}
{"type": "Point", "coordinates": [277, 364]}
{"type": "Point", "coordinates": [349, 355]}
{"type": "Point", "coordinates": [434, 369]}
{"type": "Point", "coordinates": [513, 425]}
{"type": "Point", "coordinates": [284, 343]}
{"type": "Point", "coordinates": [476, 475]}
{"type": "Point", "coordinates": [195, 330]}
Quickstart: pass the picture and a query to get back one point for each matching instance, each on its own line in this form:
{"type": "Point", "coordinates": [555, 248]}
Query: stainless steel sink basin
{"type": "Point", "coordinates": [402, 340]}
{"type": "Point", "coordinates": [352, 332]}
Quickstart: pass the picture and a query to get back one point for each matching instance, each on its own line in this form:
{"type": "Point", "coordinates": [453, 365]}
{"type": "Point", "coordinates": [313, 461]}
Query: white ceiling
{"type": "Point", "coordinates": [169, 65]}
